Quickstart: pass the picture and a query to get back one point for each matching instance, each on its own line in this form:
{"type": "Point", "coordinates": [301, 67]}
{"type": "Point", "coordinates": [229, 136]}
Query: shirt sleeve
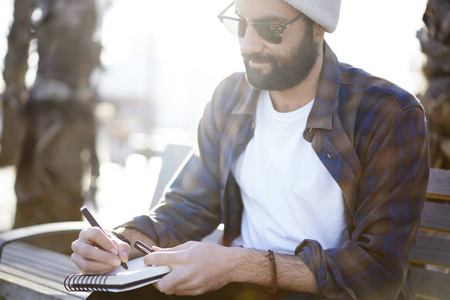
{"type": "Point", "coordinates": [391, 192]}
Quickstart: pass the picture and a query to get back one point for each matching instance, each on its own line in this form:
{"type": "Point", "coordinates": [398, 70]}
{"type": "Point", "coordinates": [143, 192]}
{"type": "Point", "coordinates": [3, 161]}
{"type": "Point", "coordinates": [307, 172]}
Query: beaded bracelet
{"type": "Point", "coordinates": [273, 268]}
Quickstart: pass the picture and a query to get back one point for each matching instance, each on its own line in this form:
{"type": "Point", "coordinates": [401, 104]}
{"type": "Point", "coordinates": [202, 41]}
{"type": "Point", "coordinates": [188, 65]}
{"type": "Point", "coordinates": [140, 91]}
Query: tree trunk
{"type": "Point", "coordinates": [61, 127]}
{"type": "Point", "coordinates": [435, 42]}
{"type": "Point", "coordinates": [15, 94]}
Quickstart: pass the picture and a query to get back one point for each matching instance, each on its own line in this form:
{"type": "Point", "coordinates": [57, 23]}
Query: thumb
{"type": "Point", "coordinates": [181, 247]}
{"type": "Point", "coordinates": [124, 251]}
{"type": "Point", "coordinates": [161, 258]}
{"type": "Point", "coordinates": [167, 256]}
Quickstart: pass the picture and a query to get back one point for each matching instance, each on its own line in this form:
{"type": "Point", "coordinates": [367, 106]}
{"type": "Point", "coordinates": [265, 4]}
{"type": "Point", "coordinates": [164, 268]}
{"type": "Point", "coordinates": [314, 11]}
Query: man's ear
{"type": "Point", "coordinates": [319, 30]}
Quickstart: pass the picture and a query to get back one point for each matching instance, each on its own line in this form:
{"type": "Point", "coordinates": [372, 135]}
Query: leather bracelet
{"type": "Point", "coordinates": [120, 237]}
{"type": "Point", "coordinates": [273, 269]}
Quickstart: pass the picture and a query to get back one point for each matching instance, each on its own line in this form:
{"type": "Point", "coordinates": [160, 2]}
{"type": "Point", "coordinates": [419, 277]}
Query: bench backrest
{"type": "Point", "coordinates": [172, 158]}
{"type": "Point", "coordinates": [431, 259]}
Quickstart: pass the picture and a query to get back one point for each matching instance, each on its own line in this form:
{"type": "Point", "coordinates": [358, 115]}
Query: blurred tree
{"type": "Point", "coordinates": [435, 42]}
{"type": "Point", "coordinates": [59, 137]}
{"type": "Point", "coordinates": [15, 94]}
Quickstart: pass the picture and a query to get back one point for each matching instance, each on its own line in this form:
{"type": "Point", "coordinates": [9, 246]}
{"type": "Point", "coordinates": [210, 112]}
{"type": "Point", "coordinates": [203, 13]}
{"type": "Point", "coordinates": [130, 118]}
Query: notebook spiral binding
{"type": "Point", "coordinates": [86, 283]}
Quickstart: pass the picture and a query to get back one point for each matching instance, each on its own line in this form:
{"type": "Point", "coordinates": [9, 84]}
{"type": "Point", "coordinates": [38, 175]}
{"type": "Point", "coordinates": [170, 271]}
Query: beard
{"type": "Point", "coordinates": [287, 71]}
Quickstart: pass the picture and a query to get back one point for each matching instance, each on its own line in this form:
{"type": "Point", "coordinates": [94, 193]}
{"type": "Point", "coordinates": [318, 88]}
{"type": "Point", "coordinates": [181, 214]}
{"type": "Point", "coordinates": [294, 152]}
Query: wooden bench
{"type": "Point", "coordinates": [28, 272]}
{"type": "Point", "coordinates": [431, 260]}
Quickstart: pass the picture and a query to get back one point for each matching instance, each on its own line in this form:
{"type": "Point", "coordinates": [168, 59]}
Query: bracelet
{"type": "Point", "coordinates": [273, 269]}
{"type": "Point", "coordinates": [120, 237]}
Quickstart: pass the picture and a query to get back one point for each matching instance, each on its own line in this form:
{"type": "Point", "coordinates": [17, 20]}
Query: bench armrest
{"type": "Point", "coordinates": [39, 230]}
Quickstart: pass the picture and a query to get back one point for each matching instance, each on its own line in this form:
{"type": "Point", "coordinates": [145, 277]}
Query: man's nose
{"type": "Point", "coordinates": [251, 42]}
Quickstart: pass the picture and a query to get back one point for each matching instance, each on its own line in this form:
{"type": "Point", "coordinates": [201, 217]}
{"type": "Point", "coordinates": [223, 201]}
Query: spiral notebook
{"type": "Point", "coordinates": [119, 280]}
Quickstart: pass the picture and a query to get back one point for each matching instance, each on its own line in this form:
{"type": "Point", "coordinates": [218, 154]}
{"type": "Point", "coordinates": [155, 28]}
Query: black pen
{"type": "Point", "coordinates": [94, 223]}
{"type": "Point", "coordinates": [143, 247]}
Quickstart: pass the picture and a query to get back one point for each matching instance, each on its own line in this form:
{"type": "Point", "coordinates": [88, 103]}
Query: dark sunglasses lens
{"type": "Point", "coordinates": [268, 33]}
{"type": "Point", "coordinates": [242, 28]}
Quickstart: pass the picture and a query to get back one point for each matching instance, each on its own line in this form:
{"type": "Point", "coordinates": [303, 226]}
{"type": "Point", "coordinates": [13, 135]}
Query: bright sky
{"type": "Point", "coordinates": [176, 52]}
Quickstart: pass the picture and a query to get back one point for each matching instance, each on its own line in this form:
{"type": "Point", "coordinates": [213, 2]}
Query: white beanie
{"type": "Point", "coordinates": [323, 12]}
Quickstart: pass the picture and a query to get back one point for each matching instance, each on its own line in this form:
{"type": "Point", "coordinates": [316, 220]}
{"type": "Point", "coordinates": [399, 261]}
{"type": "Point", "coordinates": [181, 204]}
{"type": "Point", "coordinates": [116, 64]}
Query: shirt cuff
{"type": "Point", "coordinates": [307, 251]}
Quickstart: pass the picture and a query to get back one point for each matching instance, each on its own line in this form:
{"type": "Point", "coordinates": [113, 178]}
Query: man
{"type": "Point", "coordinates": [318, 171]}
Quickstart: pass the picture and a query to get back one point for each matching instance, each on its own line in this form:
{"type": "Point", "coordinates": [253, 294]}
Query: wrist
{"type": "Point", "coordinates": [234, 263]}
{"type": "Point", "coordinates": [120, 236]}
{"type": "Point", "coordinates": [246, 265]}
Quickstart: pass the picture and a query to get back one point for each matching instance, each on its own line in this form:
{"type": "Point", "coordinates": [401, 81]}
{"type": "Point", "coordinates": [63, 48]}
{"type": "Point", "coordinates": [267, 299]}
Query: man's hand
{"type": "Point", "coordinates": [96, 253]}
{"type": "Point", "coordinates": [196, 268]}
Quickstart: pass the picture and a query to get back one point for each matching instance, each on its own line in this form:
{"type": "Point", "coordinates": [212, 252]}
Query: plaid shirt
{"type": "Point", "coordinates": [369, 134]}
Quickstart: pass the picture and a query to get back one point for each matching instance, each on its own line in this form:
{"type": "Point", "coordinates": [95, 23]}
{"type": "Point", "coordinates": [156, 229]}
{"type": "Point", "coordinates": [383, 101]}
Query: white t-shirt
{"type": "Point", "coordinates": [287, 192]}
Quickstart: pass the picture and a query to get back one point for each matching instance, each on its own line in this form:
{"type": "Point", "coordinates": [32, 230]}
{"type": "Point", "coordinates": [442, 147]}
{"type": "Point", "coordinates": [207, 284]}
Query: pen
{"type": "Point", "coordinates": [94, 223]}
{"type": "Point", "coordinates": [142, 247]}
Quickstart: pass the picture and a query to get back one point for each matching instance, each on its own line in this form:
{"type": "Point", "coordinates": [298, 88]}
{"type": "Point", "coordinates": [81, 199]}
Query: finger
{"type": "Point", "coordinates": [90, 267]}
{"type": "Point", "coordinates": [164, 258]}
{"type": "Point", "coordinates": [97, 237]}
{"type": "Point", "coordinates": [123, 248]}
{"type": "Point", "coordinates": [180, 284]}
{"type": "Point", "coordinates": [92, 253]}
{"type": "Point", "coordinates": [190, 292]}
{"type": "Point", "coordinates": [159, 249]}
{"type": "Point", "coordinates": [183, 246]}
{"type": "Point", "coordinates": [124, 251]}
{"type": "Point", "coordinates": [168, 284]}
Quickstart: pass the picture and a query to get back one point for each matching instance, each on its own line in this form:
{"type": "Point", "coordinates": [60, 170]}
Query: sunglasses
{"type": "Point", "coordinates": [269, 32]}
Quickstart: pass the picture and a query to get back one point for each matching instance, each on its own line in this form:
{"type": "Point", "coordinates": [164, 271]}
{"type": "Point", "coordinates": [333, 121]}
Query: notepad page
{"type": "Point", "coordinates": [133, 265]}
{"type": "Point", "coordinates": [134, 272]}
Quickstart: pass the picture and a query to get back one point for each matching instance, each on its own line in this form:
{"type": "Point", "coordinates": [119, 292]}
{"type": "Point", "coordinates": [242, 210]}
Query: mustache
{"type": "Point", "coordinates": [258, 58]}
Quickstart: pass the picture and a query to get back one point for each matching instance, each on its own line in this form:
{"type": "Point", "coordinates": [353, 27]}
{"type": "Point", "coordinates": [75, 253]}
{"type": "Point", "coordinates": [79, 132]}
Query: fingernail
{"type": "Point", "coordinates": [114, 251]}
{"type": "Point", "coordinates": [116, 261]}
{"type": "Point", "coordinates": [125, 254]}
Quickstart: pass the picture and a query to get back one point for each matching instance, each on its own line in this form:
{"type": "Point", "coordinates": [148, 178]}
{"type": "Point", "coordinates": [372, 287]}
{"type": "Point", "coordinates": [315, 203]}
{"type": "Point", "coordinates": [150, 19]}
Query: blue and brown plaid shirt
{"type": "Point", "coordinates": [370, 135]}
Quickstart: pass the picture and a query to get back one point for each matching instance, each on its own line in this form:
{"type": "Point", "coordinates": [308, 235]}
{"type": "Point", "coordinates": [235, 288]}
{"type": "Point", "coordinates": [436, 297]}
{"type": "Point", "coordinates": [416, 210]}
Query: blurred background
{"type": "Point", "coordinates": [103, 86]}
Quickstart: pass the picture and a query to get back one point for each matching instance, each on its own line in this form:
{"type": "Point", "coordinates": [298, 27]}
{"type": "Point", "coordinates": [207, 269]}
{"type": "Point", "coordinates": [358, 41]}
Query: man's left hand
{"type": "Point", "coordinates": [196, 267]}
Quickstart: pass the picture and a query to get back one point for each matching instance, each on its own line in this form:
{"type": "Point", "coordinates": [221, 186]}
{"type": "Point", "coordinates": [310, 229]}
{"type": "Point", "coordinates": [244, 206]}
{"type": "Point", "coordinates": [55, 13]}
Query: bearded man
{"type": "Point", "coordinates": [318, 171]}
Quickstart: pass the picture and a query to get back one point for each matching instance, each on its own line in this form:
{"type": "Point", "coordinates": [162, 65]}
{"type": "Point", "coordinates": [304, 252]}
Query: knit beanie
{"type": "Point", "coordinates": [323, 12]}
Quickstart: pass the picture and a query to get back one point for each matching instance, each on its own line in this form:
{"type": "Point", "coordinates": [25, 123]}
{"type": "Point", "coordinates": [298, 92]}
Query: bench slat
{"type": "Point", "coordinates": [35, 273]}
{"type": "Point", "coordinates": [436, 216]}
{"type": "Point", "coordinates": [439, 184]}
{"type": "Point", "coordinates": [432, 249]}
{"type": "Point", "coordinates": [429, 284]}
{"type": "Point", "coordinates": [18, 287]}
{"type": "Point", "coordinates": [55, 267]}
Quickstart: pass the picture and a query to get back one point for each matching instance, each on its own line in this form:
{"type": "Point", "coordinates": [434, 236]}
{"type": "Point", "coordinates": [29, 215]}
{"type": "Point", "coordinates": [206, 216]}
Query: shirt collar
{"type": "Point", "coordinates": [248, 103]}
{"type": "Point", "coordinates": [327, 92]}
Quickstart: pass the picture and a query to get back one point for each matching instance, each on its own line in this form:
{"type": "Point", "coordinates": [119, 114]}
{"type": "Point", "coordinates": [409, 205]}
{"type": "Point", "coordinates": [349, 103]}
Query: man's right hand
{"type": "Point", "coordinates": [96, 253]}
